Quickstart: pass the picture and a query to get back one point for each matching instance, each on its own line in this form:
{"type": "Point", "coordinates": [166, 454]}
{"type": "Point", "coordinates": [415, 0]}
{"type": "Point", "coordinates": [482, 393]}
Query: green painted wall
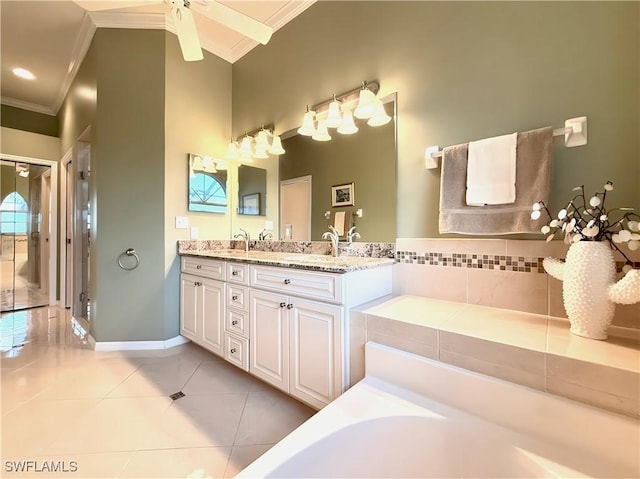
{"type": "Point", "coordinates": [25, 120]}
{"type": "Point", "coordinates": [463, 71]}
{"type": "Point", "coordinates": [127, 166]}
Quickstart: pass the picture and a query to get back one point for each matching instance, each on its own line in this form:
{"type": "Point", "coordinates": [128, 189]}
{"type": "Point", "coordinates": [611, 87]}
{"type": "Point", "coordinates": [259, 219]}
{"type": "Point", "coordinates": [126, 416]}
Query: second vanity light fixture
{"type": "Point", "coordinates": [339, 113]}
{"type": "Point", "coordinates": [257, 144]}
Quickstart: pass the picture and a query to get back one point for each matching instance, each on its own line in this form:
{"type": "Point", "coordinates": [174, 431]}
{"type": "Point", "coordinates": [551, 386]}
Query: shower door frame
{"type": "Point", "coordinates": [53, 224]}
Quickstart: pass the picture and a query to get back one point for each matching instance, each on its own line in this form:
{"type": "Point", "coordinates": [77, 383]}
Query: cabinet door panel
{"type": "Point", "coordinates": [315, 348]}
{"type": "Point", "coordinates": [190, 306]}
{"type": "Point", "coordinates": [213, 317]}
{"type": "Point", "coordinates": [269, 333]}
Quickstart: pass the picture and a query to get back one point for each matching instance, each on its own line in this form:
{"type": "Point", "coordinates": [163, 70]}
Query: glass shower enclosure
{"type": "Point", "coordinates": [25, 220]}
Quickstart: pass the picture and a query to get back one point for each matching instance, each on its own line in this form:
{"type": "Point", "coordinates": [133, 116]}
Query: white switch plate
{"type": "Point", "coordinates": [194, 232]}
{"type": "Point", "coordinates": [182, 222]}
{"type": "Point", "coordinates": [268, 225]}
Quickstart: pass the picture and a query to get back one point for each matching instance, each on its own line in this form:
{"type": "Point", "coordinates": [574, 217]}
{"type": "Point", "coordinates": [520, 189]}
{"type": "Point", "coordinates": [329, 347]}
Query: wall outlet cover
{"type": "Point", "coordinates": [268, 225]}
{"type": "Point", "coordinates": [182, 222]}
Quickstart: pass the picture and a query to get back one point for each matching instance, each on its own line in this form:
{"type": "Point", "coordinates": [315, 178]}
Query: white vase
{"type": "Point", "coordinates": [589, 271]}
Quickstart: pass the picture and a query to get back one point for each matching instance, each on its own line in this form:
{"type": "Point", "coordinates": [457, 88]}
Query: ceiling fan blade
{"type": "Point", "coordinates": [99, 5]}
{"type": "Point", "coordinates": [235, 20]}
{"type": "Point", "coordinates": [187, 34]}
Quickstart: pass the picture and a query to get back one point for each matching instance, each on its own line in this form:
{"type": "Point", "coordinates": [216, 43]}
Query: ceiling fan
{"type": "Point", "coordinates": [181, 12]}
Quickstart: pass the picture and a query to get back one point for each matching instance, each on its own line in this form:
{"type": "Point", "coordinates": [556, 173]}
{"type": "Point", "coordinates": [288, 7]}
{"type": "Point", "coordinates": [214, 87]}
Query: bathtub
{"type": "Point", "coordinates": [414, 417]}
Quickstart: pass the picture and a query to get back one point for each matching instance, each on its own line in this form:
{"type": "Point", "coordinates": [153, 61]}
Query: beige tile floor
{"type": "Point", "coordinates": [109, 413]}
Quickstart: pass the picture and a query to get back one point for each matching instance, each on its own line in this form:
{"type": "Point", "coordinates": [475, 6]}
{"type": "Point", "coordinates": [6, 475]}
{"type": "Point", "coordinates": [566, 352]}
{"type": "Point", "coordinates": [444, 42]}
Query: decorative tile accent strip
{"type": "Point", "coordinates": [521, 264]}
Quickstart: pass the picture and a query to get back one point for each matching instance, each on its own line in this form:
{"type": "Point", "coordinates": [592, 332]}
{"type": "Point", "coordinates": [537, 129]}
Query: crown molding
{"type": "Point", "coordinates": [145, 21]}
{"type": "Point", "coordinates": [80, 49]}
{"type": "Point", "coordinates": [24, 105]}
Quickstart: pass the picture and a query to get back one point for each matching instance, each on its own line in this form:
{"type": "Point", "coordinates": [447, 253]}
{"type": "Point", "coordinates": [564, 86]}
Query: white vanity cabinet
{"type": "Point", "coordinates": [300, 345]}
{"type": "Point", "coordinates": [236, 323]}
{"type": "Point", "coordinates": [202, 303]}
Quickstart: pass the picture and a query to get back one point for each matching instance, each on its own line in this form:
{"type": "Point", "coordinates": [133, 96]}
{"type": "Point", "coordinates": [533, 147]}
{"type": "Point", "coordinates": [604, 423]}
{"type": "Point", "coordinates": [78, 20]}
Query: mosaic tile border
{"type": "Point", "coordinates": [520, 264]}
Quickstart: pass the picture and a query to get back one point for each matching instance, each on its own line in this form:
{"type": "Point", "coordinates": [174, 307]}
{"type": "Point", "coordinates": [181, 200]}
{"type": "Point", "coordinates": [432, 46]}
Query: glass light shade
{"type": "Point", "coordinates": [348, 126]}
{"type": "Point", "coordinates": [334, 116]}
{"type": "Point", "coordinates": [261, 153]}
{"type": "Point", "coordinates": [365, 104]}
{"type": "Point", "coordinates": [379, 116]}
{"type": "Point", "coordinates": [322, 134]}
{"type": "Point", "coordinates": [262, 139]}
{"type": "Point", "coordinates": [197, 163]}
{"type": "Point", "coordinates": [245, 147]}
{"type": "Point", "coordinates": [276, 146]}
{"type": "Point", "coordinates": [307, 128]}
{"type": "Point", "coordinates": [232, 151]}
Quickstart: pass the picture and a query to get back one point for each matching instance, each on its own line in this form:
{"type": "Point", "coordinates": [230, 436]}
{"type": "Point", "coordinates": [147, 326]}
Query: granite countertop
{"type": "Point", "coordinates": [314, 262]}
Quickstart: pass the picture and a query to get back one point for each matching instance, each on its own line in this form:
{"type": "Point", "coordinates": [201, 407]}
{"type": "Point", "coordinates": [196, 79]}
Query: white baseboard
{"type": "Point", "coordinates": [138, 345]}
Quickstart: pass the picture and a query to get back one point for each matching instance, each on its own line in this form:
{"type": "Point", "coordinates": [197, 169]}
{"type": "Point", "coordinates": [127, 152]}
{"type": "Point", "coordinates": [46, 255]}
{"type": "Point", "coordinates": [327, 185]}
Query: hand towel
{"type": "Point", "coordinates": [491, 171]}
{"type": "Point", "coordinates": [533, 178]}
{"type": "Point", "coordinates": [338, 222]}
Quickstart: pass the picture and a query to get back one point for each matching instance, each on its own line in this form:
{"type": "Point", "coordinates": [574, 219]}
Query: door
{"type": "Point", "coordinates": [295, 209]}
{"type": "Point", "coordinates": [269, 333]}
{"type": "Point", "coordinates": [81, 233]}
{"type": "Point", "coordinates": [212, 315]}
{"type": "Point", "coordinates": [315, 349]}
{"type": "Point", "coordinates": [190, 306]}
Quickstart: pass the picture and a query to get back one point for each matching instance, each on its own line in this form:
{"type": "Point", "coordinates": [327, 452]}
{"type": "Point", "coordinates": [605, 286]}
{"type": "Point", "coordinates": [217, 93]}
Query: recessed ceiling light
{"type": "Point", "coordinates": [23, 73]}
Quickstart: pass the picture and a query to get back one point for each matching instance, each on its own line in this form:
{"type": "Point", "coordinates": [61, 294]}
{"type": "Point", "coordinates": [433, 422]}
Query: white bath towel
{"type": "Point", "coordinates": [491, 171]}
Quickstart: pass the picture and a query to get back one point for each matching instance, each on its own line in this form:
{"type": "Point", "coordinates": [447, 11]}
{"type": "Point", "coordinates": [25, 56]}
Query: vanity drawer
{"type": "Point", "coordinates": [238, 297]}
{"type": "Point", "coordinates": [236, 351]}
{"type": "Point", "coordinates": [237, 322]}
{"type": "Point", "coordinates": [208, 268]}
{"type": "Point", "coordinates": [308, 284]}
{"type": "Point", "coordinates": [237, 273]}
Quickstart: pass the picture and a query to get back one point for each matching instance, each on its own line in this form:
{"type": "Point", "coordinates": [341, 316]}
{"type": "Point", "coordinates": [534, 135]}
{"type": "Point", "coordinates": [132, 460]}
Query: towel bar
{"type": "Point", "coordinates": [574, 131]}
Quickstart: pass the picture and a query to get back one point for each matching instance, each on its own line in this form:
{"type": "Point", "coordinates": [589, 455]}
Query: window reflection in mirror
{"type": "Point", "coordinates": [252, 190]}
{"type": "Point", "coordinates": [207, 185]}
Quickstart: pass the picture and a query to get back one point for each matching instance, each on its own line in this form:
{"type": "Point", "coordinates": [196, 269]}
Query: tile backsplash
{"type": "Point", "coordinates": [498, 273]}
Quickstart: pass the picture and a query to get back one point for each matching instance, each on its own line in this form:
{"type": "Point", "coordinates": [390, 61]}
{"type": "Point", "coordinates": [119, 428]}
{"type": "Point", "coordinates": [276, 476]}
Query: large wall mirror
{"type": "Point", "coordinates": [207, 185]}
{"type": "Point", "coordinates": [364, 161]}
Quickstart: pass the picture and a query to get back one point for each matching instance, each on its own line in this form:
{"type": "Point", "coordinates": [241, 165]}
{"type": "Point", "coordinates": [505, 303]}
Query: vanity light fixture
{"type": "Point", "coordinates": [23, 170]}
{"type": "Point", "coordinates": [203, 163]}
{"type": "Point", "coordinates": [340, 110]}
{"type": "Point", "coordinates": [258, 144]}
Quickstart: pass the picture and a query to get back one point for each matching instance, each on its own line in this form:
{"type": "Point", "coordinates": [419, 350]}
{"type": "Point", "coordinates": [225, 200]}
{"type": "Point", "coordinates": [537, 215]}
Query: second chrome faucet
{"type": "Point", "coordinates": [334, 237]}
{"type": "Point", "coordinates": [245, 236]}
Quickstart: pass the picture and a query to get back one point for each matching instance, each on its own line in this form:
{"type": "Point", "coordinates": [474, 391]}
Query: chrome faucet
{"type": "Point", "coordinates": [352, 234]}
{"type": "Point", "coordinates": [334, 237]}
{"type": "Point", "coordinates": [246, 237]}
{"type": "Point", "coordinates": [264, 235]}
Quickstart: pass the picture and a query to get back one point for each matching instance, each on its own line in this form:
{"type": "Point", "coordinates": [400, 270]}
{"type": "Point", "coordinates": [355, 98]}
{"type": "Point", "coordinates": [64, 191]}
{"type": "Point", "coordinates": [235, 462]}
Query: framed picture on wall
{"type": "Point", "coordinates": [251, 204]}
{"type": "Point", "coordinates": [342, 195]}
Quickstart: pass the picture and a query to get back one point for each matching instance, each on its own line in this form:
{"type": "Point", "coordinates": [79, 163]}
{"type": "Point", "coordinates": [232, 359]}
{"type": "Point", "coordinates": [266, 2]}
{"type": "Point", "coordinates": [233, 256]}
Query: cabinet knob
{"type": "Point", "coordinates": [289, 306]}
{"type": "Point", "coordinates": [287, 281]}
{"type": "Point", "coordinates": [282, 305]}
{"type": "Point", "coordinates": [233, 350]}
{"type": "Point", "coordinates": [234, 297]}
{"type": "Point", "coordinates": [234, 322]}
{"type": "Point", "coordinates": [234, 273]}
{"type": "Point", "coordinates": [197, 283]}
{"type": "Point", "coordinates": [198, 266]}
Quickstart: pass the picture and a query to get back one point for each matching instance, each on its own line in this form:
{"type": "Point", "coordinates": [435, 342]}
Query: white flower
{"type": "Point", "coordinates": [545, 229]}
{"type": "Point", "coordinates": [624, 235]}
{"type": "Point", "coordinates": [615, 237]}
{"type": "Point", "coordinates": [633, 245]}
{"type": "Point", "coordinates": [591, 223]}
{"type": "Point", "coordinates": [604, 217]}
{"type": "Point", "coordinates": [554, 223]}
{"type": "Point", "coordinates": [594, 201]}
{"type": "Point", "coordinates": [591, 231]}
{"type": "Point", "coordinates": [608, 186]}
{"type": "Point", "coordinates": [535, 214]}
{"type": "Point", "coordinates": [536, 206]}
{"type": "Point", "coordinates": [633, 225]}
{"type": "Point", "coordinates": [562, 214]}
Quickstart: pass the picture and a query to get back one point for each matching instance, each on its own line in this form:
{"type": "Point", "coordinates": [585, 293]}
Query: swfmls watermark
{"type": "Point", "coordinates": [40, 466]}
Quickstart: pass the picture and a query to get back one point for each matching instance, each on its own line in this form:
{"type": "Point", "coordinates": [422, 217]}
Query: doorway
{"type": "Point", "coordinates": [27, 233]}
{"type": "Point", "coordinates": [295, 209]}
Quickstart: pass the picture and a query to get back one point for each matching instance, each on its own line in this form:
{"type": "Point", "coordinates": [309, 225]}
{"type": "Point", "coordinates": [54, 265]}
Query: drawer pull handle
{"type": "Point", "coordinates": [197, 283]}
{"type": "Point", "coordinates": [198, 266]}
{"type": "Point", "coordinates": [234, 297]}
{"type": "Point", "coordinates": [233, 350]}
{"type": "Point", "coordinates": [234, 322]}
{"type": "Point", "coordinates": [289, 306]}
{"type": "Point", "coordinates": [235, 273]}
{"type": "Point", "coordinates": [287, 281]}
{"type": "Point", "coordinates": [282, 305]}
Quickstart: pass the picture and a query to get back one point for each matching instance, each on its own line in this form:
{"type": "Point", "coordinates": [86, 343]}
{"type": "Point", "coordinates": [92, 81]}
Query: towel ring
{"type": "Point", "coordinates": [129, 252]}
